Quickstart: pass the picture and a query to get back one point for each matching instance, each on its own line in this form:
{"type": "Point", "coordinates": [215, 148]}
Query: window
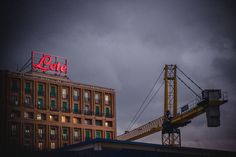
{"type": "Point", "coordinates": [108, 135]}
{"type": "Point", "coordinates": [64, 93]}
{"type": "Point", "coordinates": [27, 88]}
{"type": "Point", "coordinates": [97, 98]}
{"type": "Point", "coordinates": [88, 121]}
{"type": "Point", "coordinates": [40, 145]}
{"type": "Point", "coordinates": [76, 120]}
{"type": "Point", "coordinates": [52, 145]}
{"type": "Point", "coordinates": [27, 101]}
{"type": "Point", "coordinates": [39, 117]}
{"type": "Point", "coordinates": [53, 117]}
{"type": "Point", "coordinates": [86, 96]}
{"type": "Point", "coordinates": [64, 106]}
{"type": "Point", "coordinates": [76, 108]}
{"type": "Point", "coordinates": [98, 122]}
{"type": "Point", "coordinates": [40, 90]}
{"type": "Point", "coordinates": [53, 133]}
{"type": "Point", "coordinates": [63, 119]}
{"type": "Point", "coordinates": [76, 95]}
{"type": "Point", "coordinates": [109, 124]}
{"type": "Point", "coordinates": [14, 100]}
{"type": "Point", "coordinates": [107, 112]}
{"type": "Point", "coordinates": [27, 131]}
{"type": "Point", "coordinates": [13, 130]}
{"type": "Point", "coordinates": [87, 134]}
{"type": "Point", "coordinates": [76, 134]}
{"type": "Point", "coordinates": [15, 114]}
{"type": "Point", "coordinates": [40, 103]}
{"type": "Point", "coordinates": [106, 99]}
{"type": "Point", "coordinates": [53, 91]}
{"type": "Point", "coordinates": [65, 133]}
{"type": "Point", "coordinates": [26, 115]}
{"type": "Point", "coordinates": [98, 134]}
{"type": "Point", "coordinates": [14, 86]}
{"type": "Point", "coordinates": [97, 111]}
{"type": "Point", "coordinates": [29, 115]}
{"type": "Point", "coordinates": [86, 110]}
{"type": "Point", "coordinates": [41, 132]}
{"type": "Point", "coordinates": [53, 105]}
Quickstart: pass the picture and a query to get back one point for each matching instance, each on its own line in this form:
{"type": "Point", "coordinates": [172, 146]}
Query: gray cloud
{"type": "Point", "coordinates": [125, 44]}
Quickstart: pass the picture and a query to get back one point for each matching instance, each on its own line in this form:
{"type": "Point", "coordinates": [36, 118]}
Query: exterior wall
{"type": "Point", "coordinates": [58, 125]}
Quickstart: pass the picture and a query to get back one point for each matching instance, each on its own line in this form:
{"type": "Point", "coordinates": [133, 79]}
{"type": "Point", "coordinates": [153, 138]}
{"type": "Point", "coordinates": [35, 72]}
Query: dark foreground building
{"type": "Point", "coordinates": [114, 148]}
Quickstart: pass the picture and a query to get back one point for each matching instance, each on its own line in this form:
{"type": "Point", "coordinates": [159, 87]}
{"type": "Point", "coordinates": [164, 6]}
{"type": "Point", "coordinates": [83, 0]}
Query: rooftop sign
{"type": "Point", "coordinates": [47, 63]}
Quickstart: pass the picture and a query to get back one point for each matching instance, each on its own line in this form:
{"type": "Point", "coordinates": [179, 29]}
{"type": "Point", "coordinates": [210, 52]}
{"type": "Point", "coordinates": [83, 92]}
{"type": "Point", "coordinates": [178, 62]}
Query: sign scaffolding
{"type": "Point", "coordinates": [50, 64]}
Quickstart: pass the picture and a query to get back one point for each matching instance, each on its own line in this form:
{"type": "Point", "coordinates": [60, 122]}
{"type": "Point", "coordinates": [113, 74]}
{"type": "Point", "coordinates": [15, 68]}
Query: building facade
{"type": "Point", "coordinates": [44, 112]}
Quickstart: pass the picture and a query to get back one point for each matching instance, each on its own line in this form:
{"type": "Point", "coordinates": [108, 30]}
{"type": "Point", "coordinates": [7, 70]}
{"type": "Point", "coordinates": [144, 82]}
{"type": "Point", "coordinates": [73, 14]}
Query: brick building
{"type": "Point", "coordinates": [43, 111]}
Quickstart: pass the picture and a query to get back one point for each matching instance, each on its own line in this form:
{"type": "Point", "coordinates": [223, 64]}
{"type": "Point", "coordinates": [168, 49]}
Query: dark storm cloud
{"type": "Point", "coordinates": [125, 44]}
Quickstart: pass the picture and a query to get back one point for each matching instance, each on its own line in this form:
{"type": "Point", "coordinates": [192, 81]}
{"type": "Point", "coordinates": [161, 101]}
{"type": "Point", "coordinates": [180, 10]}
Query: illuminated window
{"type": "Point", "coordinates": [52, 145]}
{"type": "Point", "coordinates": [39, 116]}
{"type": "Point", "coordinates": [109, 124]}
{"type": "Point", "coordinates": [63, 119]}
{"type": "Point", "coordinates": [76, 120]}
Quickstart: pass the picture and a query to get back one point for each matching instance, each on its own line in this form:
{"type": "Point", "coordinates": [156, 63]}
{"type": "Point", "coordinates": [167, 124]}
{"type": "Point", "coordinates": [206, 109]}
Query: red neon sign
{"type": "Point", "coordinates": [49, 63]}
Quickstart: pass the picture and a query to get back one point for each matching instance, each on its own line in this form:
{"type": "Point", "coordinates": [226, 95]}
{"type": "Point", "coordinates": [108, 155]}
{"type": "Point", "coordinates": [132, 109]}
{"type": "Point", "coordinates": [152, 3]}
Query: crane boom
{"type": "Point", "coordinates": [198, 107]}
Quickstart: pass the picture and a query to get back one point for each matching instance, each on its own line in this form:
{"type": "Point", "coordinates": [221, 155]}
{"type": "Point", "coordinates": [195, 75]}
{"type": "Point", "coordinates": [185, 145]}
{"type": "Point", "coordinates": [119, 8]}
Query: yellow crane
{"type": "Point", "coordinates": [208, 102]}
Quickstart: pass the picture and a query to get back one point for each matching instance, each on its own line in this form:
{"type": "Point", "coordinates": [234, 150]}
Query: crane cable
{"type": "Point", "coordinates": [190, 79]}
{"type": "Point", "coordinates": [188, 87]}
{"type": "Point", "coordinates": [147, 104]}
{"type": "Point", "coordinates": [138, 113]}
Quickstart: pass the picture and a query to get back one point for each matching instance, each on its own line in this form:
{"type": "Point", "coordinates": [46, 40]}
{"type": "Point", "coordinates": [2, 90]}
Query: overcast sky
{"type": "Point", "coordinates": [124, 44]}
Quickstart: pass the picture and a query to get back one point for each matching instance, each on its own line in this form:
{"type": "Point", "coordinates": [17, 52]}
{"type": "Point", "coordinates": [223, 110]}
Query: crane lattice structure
{"type": "Point", "coordinates": [207, 102]}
